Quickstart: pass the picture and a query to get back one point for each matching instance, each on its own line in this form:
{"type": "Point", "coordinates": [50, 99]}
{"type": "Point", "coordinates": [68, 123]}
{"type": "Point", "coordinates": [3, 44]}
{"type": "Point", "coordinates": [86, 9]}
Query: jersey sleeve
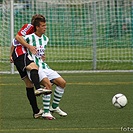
{"type": "Point", "coordinates": [46, 39]}
{"type": "Point", "coordinates": [15, 42]}
{"type": "Point", "coordinates": [26, 30]}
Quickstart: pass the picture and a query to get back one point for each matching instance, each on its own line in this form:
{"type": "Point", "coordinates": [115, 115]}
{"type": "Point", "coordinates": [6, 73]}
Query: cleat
{"type": "Point", "coordinates": [48, 116]}
{"type": "Point", "coordinates": [38, 115]}
{"type": "Point", "coordinates": [58, 111]}
{"type": "Point", "coordinates": [40, 91]}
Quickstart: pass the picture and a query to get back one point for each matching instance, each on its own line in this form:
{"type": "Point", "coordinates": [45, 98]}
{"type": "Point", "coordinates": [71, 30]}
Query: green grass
{"type": "Point", "coordinates": [87, 100]}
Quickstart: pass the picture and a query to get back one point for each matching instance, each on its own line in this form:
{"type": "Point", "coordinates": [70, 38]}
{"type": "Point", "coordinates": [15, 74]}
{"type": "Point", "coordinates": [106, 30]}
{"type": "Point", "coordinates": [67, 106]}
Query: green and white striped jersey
{"type": "Point", "coordinates": [40, 43]}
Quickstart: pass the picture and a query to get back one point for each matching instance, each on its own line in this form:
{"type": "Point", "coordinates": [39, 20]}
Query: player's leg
{"type": "Point", "coordinates": [46, 98]}
{"type": "Point", "coordinates": [58, 92]}
{"type": "Point", "coordinates": [59, 82]}
{"type": "Point", "coordinates": [25, 62]}
{"type": "Point", "coordinates": [32, 98]}
{"type": "Point", "coordinates": [46, 105]}
{"type": "Point", "coordinates": [30, 93]}
{"type": "Point", "coordinates": [43, 80]}
{"type": "Point", "coordinates": [33, 69]}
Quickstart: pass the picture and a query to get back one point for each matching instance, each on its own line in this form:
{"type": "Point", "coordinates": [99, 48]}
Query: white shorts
{"type": "Point", "coordinates": [51, 74]}
{"type": "Point", "coordinates": [40, 73]}
{"type": "Point", "coordinates": [46, 73]}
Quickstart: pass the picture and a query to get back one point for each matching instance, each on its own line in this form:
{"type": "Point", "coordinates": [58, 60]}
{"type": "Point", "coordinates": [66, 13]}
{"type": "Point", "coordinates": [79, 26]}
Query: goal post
{"type": "Point", "coordinates": [12, 28]}
{"type": "Point", "coordinates": [84, 35]}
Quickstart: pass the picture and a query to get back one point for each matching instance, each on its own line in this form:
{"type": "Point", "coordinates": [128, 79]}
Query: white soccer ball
{"type": "Point", "coordinates": [119, 101]}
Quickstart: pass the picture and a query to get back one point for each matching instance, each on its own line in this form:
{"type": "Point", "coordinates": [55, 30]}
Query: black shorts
{"type": "Point", "coordinates": [21, 62]}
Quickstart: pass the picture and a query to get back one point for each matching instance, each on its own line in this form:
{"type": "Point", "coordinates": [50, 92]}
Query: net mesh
{"type": "Point", "coordinates": [83, 34]}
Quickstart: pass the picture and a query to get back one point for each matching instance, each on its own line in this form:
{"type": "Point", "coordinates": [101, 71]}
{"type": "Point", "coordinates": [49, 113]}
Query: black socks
{"type": "Point", "coordinates": [35, 78]}
{"type": "Point", "coordinates": [32, 99]}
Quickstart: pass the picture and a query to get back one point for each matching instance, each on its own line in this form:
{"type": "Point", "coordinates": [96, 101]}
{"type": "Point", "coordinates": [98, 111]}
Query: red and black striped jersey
{"type": "Point", "coordinates": [20, 49]}
{"type": "Point", "coordinates": [26, 30]}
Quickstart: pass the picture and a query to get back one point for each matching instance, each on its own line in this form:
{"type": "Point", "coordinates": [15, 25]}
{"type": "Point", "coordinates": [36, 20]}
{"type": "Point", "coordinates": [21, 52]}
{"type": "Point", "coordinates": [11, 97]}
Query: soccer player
{"type": "Point", "coordinates": [24, 62]}
{"type": "Point", "coordinates": [39, 40]}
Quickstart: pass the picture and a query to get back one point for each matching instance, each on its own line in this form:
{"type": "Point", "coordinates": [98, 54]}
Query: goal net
{"type": "Point", "coordinates": [83, 35]}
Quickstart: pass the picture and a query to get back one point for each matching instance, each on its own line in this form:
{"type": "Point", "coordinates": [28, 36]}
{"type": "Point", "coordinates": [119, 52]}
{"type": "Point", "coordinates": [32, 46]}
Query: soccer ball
{"type": "Point", "coordinates": [119, 101]}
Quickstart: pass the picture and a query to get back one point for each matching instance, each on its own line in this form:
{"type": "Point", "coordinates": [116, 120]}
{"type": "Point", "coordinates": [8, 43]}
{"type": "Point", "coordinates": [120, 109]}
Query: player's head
{"type": "Point", "coordinates": [36, 16]}
{"type": "Point", "coordinates": [39, 24]}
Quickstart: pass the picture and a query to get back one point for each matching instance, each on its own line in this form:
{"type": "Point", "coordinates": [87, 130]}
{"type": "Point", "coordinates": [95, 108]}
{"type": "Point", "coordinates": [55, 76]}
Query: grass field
{"type": "Point", "coordinates": [87, 100]}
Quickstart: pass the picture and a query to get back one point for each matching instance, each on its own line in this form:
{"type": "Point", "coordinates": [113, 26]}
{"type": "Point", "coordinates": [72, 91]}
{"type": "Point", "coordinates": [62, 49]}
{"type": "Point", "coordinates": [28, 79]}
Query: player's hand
{"type": "Point", "coordinates": [11, 60]}
{"type": "Point", "coordinates": [33, 49]}
{"type": "Point", "coordinates": [43, 57]}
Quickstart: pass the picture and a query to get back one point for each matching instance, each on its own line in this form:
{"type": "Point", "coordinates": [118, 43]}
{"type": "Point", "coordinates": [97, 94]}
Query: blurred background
{"type": "Point", "coordinates": [84, 35]}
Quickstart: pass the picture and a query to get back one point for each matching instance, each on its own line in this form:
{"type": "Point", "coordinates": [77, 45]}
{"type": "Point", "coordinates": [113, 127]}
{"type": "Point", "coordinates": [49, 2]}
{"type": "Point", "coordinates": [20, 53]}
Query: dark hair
{"type": "Point", "coordinates": [36, 16]}
{"type": "Point", "coordinates": [37, 22]}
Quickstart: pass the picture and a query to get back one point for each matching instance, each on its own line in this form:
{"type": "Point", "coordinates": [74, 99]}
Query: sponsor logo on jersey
{"type": "Point", "coordinates": [23, 32]}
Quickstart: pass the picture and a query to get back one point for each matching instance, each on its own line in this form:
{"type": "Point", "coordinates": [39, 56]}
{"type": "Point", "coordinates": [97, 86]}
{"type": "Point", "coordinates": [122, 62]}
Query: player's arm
{"type": "Point", "coordinates": [11, 51]}
{"type": "Point", "coordinates": [20, 39]}
{"type": "Point", "coordinates": [25, 30]}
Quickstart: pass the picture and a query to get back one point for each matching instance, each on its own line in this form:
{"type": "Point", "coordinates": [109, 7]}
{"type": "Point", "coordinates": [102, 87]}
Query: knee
{"type": "Point", "coordinates": [29, 85]}
{"type": "Point", "coordinates": [60, 82]}
{"type": "Point", "coordinates": [63, 84]}
{"type": "Point", "coordinates": [46, 83]}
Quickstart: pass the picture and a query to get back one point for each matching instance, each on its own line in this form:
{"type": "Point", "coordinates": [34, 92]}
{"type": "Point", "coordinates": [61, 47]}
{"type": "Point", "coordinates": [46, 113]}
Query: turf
{"type": "Point", "coordinates": [87, 100]}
